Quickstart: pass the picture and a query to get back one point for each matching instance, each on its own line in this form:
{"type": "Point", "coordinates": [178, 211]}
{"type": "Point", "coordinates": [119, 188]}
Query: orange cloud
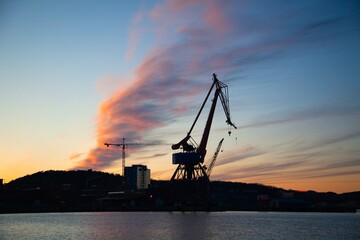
{"type": "Point", "coordinates": [148, 103]}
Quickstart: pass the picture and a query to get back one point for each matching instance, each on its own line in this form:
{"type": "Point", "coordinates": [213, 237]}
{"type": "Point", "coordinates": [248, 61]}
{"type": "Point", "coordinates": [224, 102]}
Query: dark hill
{"type": "Point", "coordinates": [54, 191]}
{"type": "Point", "coordinates": [68, 179]}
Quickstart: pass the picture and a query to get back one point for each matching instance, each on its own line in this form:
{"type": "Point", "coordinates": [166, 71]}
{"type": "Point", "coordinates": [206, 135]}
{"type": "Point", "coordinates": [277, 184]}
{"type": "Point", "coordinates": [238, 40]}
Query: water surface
{"type": "Point", "coordinates": [178, 225]}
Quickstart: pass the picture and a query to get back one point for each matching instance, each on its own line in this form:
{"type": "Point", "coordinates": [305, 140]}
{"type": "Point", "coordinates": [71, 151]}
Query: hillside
{"type": "Point", "coordinates": [60, 179]}
{"type": "Point", "coordinates": [53, 191]}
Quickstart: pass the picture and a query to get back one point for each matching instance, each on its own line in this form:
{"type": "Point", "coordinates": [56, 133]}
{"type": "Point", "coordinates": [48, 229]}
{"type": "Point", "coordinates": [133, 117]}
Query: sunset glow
{"type": "Point", "coordinates": [292, 68]}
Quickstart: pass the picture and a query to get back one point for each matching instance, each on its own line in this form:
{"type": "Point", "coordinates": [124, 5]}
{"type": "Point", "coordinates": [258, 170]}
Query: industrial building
{"type": "Point", "coordinates": [137, 177]}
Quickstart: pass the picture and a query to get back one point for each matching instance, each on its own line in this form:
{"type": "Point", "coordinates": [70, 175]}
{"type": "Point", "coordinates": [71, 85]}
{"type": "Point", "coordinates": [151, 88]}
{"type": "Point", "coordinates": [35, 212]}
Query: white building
{"type": "Point", "coordinates": [137, 177]}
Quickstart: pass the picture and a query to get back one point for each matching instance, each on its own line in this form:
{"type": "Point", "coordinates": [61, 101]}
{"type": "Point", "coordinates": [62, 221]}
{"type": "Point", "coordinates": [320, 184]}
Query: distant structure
{"type": "Point", "coordinates": [1, 182]}
{"type": "Point", "coordinates": [137, 177]}
{"type": "Point", "coordinates": [123, 145]}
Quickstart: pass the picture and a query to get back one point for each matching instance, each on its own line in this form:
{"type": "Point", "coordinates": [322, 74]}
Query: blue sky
{"type": "Point", "coordinates": [76, 74]}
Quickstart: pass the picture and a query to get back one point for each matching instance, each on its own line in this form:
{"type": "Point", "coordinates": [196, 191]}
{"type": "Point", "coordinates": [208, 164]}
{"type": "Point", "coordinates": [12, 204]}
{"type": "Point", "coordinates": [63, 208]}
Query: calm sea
{"type": "Point", "coordinates": [178, 225]}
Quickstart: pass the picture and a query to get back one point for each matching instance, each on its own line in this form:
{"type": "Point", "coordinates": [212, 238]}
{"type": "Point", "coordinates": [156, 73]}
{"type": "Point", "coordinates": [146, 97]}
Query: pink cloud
{"type": "Point", "coordinates": [215, 17]}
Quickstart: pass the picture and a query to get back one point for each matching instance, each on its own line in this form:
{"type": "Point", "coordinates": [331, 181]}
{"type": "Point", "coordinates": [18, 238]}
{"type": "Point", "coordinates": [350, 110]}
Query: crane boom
{"type": "Point", "coordinates": [205, 136]}
{"type": "Point", "coordinates": [213, 160]}
{"type": "Point", "coordinates": [222, 93]}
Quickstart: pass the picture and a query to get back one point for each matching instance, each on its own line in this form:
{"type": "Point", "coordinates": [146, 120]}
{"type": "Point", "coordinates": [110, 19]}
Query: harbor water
{"type": "Point", "coordinates": [181, 225]}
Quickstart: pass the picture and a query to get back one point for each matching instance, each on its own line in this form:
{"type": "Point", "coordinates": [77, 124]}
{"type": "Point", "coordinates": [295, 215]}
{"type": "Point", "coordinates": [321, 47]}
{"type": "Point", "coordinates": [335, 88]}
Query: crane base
{"type": "Point", "coordinates": [190, 172]}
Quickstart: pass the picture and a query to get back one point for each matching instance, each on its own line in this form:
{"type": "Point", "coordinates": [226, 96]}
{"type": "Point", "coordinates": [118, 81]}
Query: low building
{"type": "Point", "coordinates": [137, 177]}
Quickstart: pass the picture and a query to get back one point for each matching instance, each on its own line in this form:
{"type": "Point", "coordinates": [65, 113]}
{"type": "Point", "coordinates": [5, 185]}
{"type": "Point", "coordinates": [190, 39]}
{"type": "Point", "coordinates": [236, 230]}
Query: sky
{"type": "Point", "coordinates": [77, 74]}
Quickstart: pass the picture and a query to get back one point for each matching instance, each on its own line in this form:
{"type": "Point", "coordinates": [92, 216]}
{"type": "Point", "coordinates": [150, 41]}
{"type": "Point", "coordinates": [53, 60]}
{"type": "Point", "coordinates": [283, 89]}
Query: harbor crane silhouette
{"type": "Point", "coordinates": [192, 157]}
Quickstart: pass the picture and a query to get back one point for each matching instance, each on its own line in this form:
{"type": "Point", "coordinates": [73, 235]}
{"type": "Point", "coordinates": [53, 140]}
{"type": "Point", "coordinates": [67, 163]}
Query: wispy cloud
{"type": "Point", "coordinates": [298, 169]}
{"type": "Point", "coordinates": [313, 112]}
{"type": "Point", "coordinates": [241, 154]}
{"type": "Point", "coordinates": [330, 141]}
{"type": "Point", "coordinates": [153, 156]}
{"type": "Point", "coordinates": [75, 155]}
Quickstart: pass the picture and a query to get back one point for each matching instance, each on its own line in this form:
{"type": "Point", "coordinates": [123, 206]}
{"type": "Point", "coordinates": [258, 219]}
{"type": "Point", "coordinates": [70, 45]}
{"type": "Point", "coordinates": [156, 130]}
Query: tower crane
{"type": "Point", "coordinates": [123, 145]}
{"type": "Point", "coordinates": [191, 159]}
